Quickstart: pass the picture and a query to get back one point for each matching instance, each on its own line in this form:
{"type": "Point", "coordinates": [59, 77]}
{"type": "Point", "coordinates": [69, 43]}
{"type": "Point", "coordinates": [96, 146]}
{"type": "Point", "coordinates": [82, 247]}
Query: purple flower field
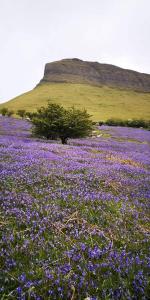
{"type": "Point", "coordinates": [74, 219]}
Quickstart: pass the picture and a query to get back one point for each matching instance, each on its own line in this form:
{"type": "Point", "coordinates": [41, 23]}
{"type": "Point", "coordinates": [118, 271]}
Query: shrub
{"type": "Point", "coordinates": [137, 123]}
{"type": "Point", "coordinates": [30, 115]}
{"type": "Point", "coordinates": [21, 113]}
{"type": "Point", "coordinates": [100, 123]}
{"type": "Point", "coordinates": [10, 113]}
{"type": "Point", "coordinates": [115, 122]}
{"type": "Point", "coordinates": [4, 111]}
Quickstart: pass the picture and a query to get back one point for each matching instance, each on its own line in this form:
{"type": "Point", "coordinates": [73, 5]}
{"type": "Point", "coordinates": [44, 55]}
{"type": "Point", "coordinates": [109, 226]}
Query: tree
{"type": "Point", "coordinates": [4, 111]}
{"type": "Point", "coordinates": [54, 122]}
{"type": "Point", "coordinates": [21, 113]}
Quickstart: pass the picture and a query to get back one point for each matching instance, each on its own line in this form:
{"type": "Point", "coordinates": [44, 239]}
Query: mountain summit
{"type": "Point", "coordinates": [94, 73]}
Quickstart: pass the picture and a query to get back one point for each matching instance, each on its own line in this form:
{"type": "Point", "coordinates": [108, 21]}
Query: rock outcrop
{"type": "Point", "coordinates": [94, 73]}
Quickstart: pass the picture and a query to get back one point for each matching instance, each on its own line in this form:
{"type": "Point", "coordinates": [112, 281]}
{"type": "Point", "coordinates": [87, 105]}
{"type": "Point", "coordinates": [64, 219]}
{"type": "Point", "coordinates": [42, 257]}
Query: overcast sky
{"type": "Point", "coordinates": [34, 32]}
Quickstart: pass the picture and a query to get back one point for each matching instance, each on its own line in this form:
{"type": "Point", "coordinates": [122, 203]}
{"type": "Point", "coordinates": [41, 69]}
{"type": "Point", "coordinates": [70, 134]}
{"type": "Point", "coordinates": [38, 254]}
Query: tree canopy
{"type": "Point", "coordinates": [54, 121]}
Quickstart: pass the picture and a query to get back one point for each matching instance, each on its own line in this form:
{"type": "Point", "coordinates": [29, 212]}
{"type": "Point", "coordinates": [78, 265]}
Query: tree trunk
{"type": "Point", "coordinates": [64, 140]}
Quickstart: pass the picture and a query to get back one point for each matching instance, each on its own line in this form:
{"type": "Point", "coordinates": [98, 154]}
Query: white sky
{"type": "Point", "coordinates": [34, 32]}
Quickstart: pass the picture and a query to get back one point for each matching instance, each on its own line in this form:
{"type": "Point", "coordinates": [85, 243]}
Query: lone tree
{"type": "Point", "coordinates": [21, 113]}
{"type": "Point", "coordinates": [54, 122]}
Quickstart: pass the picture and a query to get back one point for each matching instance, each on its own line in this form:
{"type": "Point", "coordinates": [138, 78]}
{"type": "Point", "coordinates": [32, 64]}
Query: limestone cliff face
{"type": "Point", "coordinates": [94, 73]}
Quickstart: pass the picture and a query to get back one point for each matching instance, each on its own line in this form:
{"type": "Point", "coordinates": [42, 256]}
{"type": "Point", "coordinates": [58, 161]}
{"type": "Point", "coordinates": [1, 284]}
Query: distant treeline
{"type": "Point", "coordinates": [136, 123]}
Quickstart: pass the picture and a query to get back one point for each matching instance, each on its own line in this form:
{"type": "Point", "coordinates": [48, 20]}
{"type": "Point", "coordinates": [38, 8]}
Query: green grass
{"type": "Point", "coordinates": [101, 102]}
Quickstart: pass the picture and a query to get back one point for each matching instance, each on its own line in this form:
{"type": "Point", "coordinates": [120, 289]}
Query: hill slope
{"type": "Point", "coordinates": [101, 102]}
{"type": "Point", "coordinates": [104, 90]}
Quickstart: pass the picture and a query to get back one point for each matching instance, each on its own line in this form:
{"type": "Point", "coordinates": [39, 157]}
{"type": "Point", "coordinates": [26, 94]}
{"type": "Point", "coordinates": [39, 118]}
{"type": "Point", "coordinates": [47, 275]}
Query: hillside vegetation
{"type": "Point", "coordinates": [101, 102]}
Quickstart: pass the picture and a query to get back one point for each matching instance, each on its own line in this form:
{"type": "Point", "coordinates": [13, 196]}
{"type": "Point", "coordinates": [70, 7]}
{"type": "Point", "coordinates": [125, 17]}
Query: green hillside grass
{"type": "Point", "coordinates": [101, 102]}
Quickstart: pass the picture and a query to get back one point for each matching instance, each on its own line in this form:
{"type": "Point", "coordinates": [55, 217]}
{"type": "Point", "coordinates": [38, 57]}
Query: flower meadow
{"type": "Point", "coordinates": [74, 219]}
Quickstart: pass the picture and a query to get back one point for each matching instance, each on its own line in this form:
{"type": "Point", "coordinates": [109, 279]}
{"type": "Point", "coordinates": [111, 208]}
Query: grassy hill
{"type": "Point", "coordinates": [101, 102]}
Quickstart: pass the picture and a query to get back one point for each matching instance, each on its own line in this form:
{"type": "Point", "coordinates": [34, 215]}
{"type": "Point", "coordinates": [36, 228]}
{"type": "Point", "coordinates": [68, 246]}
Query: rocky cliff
{"type": "Point", "coordinates": [94, 73]}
